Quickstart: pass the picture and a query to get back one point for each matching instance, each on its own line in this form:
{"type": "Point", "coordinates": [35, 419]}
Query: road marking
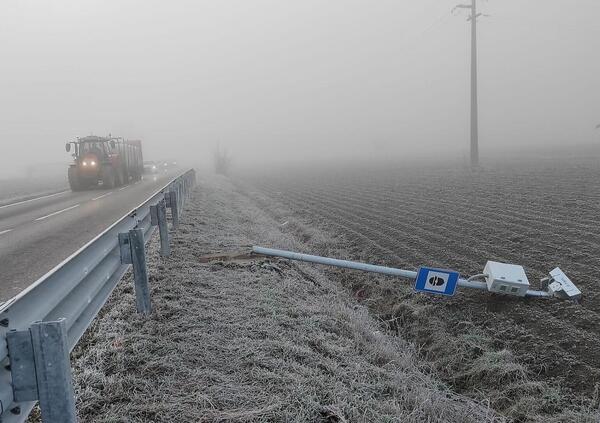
{"type": "Point", "coordinates": [5, 231]}
{"type": "Point", "coordinates": [126, 186]}
{"type": "Point", "coordinates": [58, 212]}
{"type": "Point", "coordinates": [33, 199]}
{"type": "Point", "coordinates": [102, 196]}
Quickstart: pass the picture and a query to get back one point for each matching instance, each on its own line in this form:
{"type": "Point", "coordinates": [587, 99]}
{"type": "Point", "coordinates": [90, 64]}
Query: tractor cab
{"type": "Point", "coordinates": [100, 147]}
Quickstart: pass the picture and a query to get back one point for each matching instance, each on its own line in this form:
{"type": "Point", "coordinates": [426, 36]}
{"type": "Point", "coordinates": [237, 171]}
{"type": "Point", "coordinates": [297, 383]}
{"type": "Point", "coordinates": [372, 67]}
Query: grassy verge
{"type": "Point", "coordinates": [250, 340]}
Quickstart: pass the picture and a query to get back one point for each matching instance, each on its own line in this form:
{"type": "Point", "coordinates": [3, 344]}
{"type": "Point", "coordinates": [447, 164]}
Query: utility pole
{"type": "Point", "coordinates": [474, 107]}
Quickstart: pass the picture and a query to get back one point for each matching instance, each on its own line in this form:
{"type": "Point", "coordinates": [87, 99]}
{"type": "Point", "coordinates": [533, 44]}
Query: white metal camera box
{"type": "Point", "coordinates": [506, 278]}
{"type": "Point", "coordinates": [561, 286]}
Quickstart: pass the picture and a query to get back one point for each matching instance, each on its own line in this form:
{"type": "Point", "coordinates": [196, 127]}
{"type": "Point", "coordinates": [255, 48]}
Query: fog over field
{"type": "Point", "coordinates": [438, 215]}
{"type": "Point", "coordinates": [282, 81]}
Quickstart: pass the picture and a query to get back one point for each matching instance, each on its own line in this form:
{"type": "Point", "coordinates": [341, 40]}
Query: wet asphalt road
{"type": "Point", "coordinates": [38, 234]}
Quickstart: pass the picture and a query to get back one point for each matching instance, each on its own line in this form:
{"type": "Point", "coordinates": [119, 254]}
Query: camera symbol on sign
{"type": "Point", "coordinates": [436, 281]}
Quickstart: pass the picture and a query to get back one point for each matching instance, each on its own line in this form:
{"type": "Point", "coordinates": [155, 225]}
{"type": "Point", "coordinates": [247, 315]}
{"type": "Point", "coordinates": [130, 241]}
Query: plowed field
{"type": "Point", "coordinates": [530, 358]}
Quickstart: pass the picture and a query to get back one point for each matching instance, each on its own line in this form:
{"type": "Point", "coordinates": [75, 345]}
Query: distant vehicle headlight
{"type": "Point", "coordinates": [93, 163]}
{"type": "Point", "coordinates": [153, 166]}
{"type": "Point", "coordinates": [84, 163]}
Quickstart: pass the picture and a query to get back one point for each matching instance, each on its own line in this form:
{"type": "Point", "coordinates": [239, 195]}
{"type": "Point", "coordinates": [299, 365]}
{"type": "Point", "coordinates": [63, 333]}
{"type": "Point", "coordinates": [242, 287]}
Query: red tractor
{"type": "Point", "coordinates": [111, 161]}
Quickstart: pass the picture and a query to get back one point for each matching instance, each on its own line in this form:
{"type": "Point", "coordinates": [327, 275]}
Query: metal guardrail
{"type": "Point", "coordinates": [42, 324]}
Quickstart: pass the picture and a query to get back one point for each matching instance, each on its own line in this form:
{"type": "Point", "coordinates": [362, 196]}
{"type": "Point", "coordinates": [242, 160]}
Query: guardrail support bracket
{"type": "Point", "coordinates": [22, 365]}
{"type": "Point", "coordinates": [125, 249]}
{"type": "Point", "coordinates": [171, 199]}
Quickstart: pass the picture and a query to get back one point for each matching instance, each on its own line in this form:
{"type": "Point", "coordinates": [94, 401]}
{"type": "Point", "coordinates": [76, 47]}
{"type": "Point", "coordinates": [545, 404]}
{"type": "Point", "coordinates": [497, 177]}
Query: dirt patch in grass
{"type": "Point", "coordinates": [250, 340]}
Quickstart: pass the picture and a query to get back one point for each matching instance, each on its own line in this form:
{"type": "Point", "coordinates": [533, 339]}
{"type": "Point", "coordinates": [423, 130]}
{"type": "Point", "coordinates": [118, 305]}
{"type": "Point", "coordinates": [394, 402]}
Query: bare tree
{"type": "Point", "coordinates": [222, 160]}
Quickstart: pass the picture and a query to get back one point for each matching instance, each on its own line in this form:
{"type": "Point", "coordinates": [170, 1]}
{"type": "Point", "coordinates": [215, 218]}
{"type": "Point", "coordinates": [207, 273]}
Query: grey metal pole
{"type": "Point", "coordinates": [53, 371]}
{"type": "Point", "coordinates": [158, 217]}
{"type": "Point", "coordinates": [163, 229]}
{"type": "Point", "coordinates": [180, 196]}
{"type": "Point", "coordinates": [171, 197]}
{"type": "Point", "coordinates": [140, 273]}
{"type": "Point", "coordinates": [474, 104]}
{"type": "Point", "coordinates": [408, 274]}
{"type": "Point", "coordinates": [371, 268]}
{"type": "Point", "coordinates": [335, 262]}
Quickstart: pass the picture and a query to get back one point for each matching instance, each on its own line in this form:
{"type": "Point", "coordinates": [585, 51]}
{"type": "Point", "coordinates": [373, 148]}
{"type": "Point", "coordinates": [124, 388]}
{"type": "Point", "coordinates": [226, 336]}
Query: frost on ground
{"type": "Point", "coordinates": [22, 188]}
{"type": "Point", "coordinates": [531, 360]}
{"type": "Point", "coordinates": [249, 340]}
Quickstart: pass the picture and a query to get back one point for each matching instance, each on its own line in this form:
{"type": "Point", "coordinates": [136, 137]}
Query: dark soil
{"type": "Point", "coordinates": [532, 359]}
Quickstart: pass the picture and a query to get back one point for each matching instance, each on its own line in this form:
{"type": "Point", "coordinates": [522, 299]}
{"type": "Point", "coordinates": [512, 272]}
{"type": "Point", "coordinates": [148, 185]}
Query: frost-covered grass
{"type": "Point", "coordinates": [531, 361]}
{"type": "Point", "coordinates": [250, 341]}
{"type": "Point", "coordinates": [22, 188]}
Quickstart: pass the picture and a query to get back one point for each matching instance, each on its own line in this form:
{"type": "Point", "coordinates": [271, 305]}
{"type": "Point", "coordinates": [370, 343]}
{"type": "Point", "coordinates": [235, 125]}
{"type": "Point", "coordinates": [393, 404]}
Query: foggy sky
{"type": "Point", "coordinates": [288, 80]}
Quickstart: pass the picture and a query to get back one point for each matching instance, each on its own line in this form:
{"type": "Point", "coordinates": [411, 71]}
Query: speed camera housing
{"type": "Point", "coordinates": [559, 285]}
{"type": "Point", "coordinates": [504, 278]}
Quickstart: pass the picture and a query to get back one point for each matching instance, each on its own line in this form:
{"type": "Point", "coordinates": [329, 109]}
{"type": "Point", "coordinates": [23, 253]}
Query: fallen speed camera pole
{"type": "Point", "coordinates": [502, 278]}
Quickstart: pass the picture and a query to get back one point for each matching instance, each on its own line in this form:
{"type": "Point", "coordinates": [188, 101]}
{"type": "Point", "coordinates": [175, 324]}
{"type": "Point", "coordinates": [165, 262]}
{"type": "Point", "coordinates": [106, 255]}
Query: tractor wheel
{"type": "Point", "coordinates": [108, 177]}
{"type": "Point", "coordinates": [74, 181]}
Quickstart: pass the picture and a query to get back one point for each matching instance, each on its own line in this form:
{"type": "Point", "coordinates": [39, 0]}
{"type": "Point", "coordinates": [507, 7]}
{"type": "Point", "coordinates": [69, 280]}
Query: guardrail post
{"type": "Point", "coordinates": [41, 370]}
{"type": "Point", "coordinates": [132, 252]}
{"type": "Point", "coordinates": [158, 216]}
{"type": "Point", "coordinates": [140, 273]}
{"type": "Point", "coordinates": [180, 195]}
{"type": "Point", "coordinates": [53, 371]}
{"type": "Point", "coordinates": [171, 199]}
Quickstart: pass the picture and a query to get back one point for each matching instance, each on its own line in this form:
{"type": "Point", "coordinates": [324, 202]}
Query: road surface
{"type": "Point", "coordinates": [39, 233]}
